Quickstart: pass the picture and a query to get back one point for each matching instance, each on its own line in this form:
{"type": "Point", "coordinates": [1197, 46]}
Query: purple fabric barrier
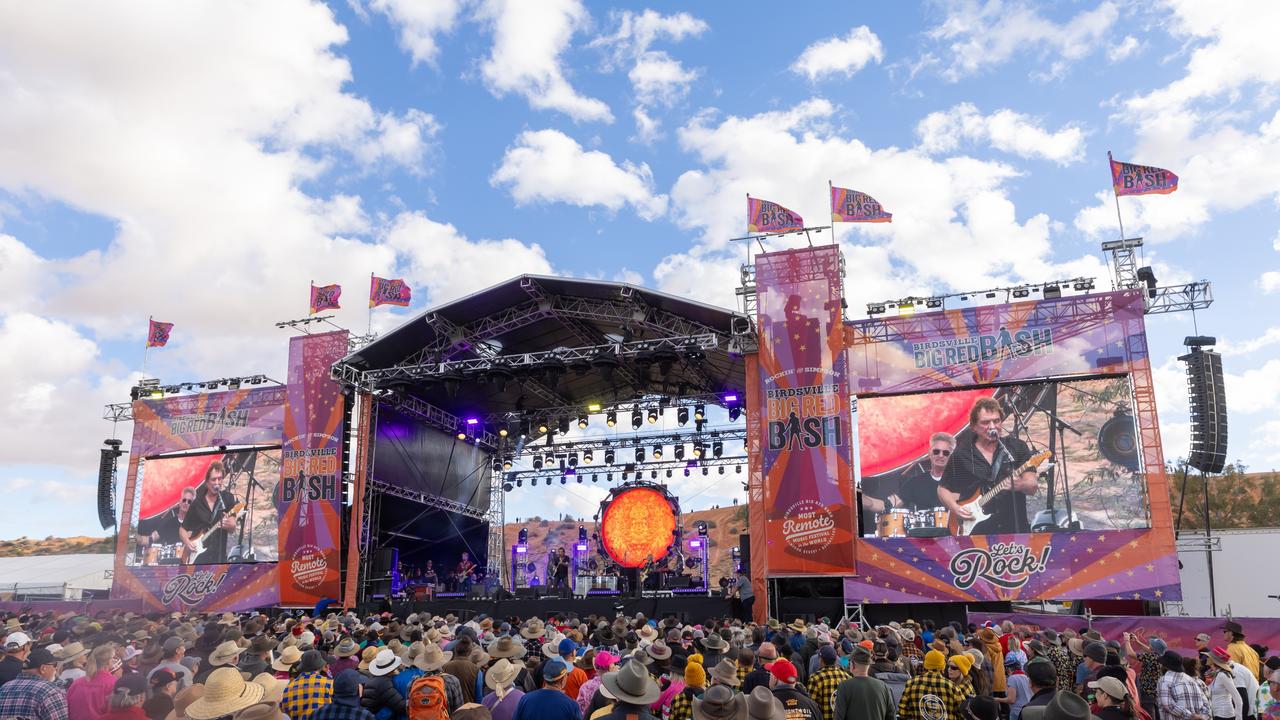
{"type": "Point", "coordinates": [86, 607]}
{"type": "Point", "coordinates": [1178, 632]}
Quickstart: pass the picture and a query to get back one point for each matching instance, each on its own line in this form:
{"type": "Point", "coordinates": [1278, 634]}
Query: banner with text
{"type": "Point", "coordinates": [207, 588]}
{"type": "Point", "coordinates": [1120, 565]}
{"type": "Point", "coordinates": [309, 499]}
{"type": "Point", "coordinates": [1179, 633]}
{"type": "Point", "coordinates": [1024, 340]}
{"type": "Point", "coordinates": [806, 452]}
{"type": "Point", "coordinates": [188, 422]}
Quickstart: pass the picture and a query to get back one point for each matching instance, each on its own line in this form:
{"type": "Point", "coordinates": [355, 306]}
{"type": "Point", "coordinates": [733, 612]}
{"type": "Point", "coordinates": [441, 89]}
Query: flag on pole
{"type": "Point", "coordinates": [853, 206]}
{"type": "Point", "coordinates": [388, 292]}
{"type": "Point", "coordinates": [158, 333]}
{"type": "Point", "coordinates": [770, 217]}
{"type": "Point", "coordinates": [325, 297]}
{"type": "Point", "coordinates": [1131, 179]}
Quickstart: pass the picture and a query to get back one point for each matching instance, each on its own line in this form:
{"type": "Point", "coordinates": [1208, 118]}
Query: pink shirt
{"type": "Point", "coordinates": [90, 698]}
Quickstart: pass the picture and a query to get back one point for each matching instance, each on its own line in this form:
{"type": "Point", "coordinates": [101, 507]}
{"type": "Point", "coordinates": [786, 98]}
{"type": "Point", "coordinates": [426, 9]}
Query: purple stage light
{"type": "Point", "coordinates": [521, 549]}
{"type": "Point", "coordinates": [695, 544]}
{"type": "Point", "coordinates": [473, 421]}
{"type": "Point", "coordinates": [731, 397]}
{"type": "Point", "coordinates": [581, 547]}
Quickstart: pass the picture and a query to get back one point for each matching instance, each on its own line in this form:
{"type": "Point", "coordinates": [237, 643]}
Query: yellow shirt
{"type": "Point", "coordinates": [1241, 652]}
{"type": "Point", "coordinates": [602, 712]}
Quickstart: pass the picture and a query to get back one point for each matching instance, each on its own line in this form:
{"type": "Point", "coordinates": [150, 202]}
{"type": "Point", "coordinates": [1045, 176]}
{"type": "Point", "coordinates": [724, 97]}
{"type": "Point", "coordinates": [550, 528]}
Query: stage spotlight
{"type": "Point", "coordinates": [519, 482]}
{"type": "Point", "coordinates": [701, 527]}
{"type": "Point", "coordinates": [624, 476]}
{"type": "Point", "coordinates": [462, 434]}
{"type": "Point", "coordinates": [669, 471]}
{"type": "Point", "coordinates": [587, 457]}
{"type": "Point", "coordinates": [573, 460]}
{"type": "Point", "coordinates": [503, 432]}
{"type": "Point", "coordinates": [679, 451]}
{"type": "Point", "coordinates": [543, 426]}
{"type": "Point", "coordinates": [717, 448]}
{"type": "Point", "coordinates": [705, 470]}
{"type": "Point", "coordinates": [653, 474]}
{"type": "Point", "coordinates": [657, 452]}
{"type": "Point", "coordinates": [636, 419]}
{"type": "Point", "coordinates": [564, 479]}
{"type": "Point", "coordinates": [608, 477]}
{"type": "Point", "coordinates": [524, 536]}
{"type": "Point", "coordinates": [583, 422]}
{"type": "Point", "coordinates": [507, 463]}
{"type": "Point", "coordinates": [578, 478]}
{"type": "Point", "coordinates": [682, 416]}
{"type": "Point", "coordinates": [611, 418]}
{"type": "Point", "coordinates": [697, 450]}
{"type": "Point", "coordinates": [537, 462]}
{"type": "Point", "coordinates": [593, 407]}
{"type": "Point", "coordinates": [563, 426]}
{"type": "Point", "coordinates": [735, 412]}
{"type": "Point", "coordinates": [549, 481]}
{"type": "Point", "coordinates": [721, 469]}
{"type": "Point", "coordinates": [525, 427]}
{"type": "Point", "coordinates": [594, 477]}
{"type": "Point", "coordinates": [737, 469]}
{"type": "Point", "coordinates": [507, 487]}
{"type": "Point", "coordinates": [653, 415]}
{"type": "Point", "coordinates": [686, 472]}
{"type": "Point", "coordinates": [608, 457]}
{"type": "Point", "coordinates": [639, 454]}
{"type": "Point", "coordinates": [699, 412]}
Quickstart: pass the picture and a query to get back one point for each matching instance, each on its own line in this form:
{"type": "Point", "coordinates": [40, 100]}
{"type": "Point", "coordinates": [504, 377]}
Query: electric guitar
{"type": "Point", "coordinates": [974, 503]}
{"type": "Point", "coordinates": [189, 555]}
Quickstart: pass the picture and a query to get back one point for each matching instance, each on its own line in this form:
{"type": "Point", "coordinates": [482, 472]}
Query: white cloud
{"type": "Point", "coordinates": [403, 140]}
{"type": "Point", "coordinates": [648, 128]}
{"type": "Point", "coordinates": [1256, 390]}
{"type": "Point", "coordinates": [547, 165]}
{"type": "Point", "coordinates": [981, 35]}
{"type": "Point", "coordinates": [1004, 129]}
{"type": "Point", "coordinates": [22, 274]}
{"type": "Point", "coordinates": [528, 39]}
{"type": "Point", "coordinates": [1269, 281]}
{"type": "Point", "coordinates": [1127, 47]}
{"type": "Point", "coordinates": [845, 55]}
{"type": "Point", "coordinates": [638, 31]}
{"type": "Point", "coordinates": [658, 79]}
{"type": "Point", "coordinates": [1268, 338]}
{"type": "Point", "coordinates": [420, 23]}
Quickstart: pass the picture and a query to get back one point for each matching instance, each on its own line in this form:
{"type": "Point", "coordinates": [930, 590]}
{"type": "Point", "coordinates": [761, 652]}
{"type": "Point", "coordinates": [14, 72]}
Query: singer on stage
{"type": "Point", "coordinates": [982, 459]}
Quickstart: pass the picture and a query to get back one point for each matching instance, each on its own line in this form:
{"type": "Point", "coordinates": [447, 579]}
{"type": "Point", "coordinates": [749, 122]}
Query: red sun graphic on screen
{"type": "Point", "coordinates": [638, 523]}
{"type": "Point", "coordinates": [895, 430]}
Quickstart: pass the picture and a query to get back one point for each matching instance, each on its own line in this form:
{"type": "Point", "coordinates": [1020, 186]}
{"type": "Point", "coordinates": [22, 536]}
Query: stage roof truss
{"type": "Point", "coordinates": [675, 399]}
{"type": "Point", "coordinates": [585, 471]}
{"type": "Point", "coordinates": [429, 500]}
{"type": "Point", "coordinates": [679, 436]}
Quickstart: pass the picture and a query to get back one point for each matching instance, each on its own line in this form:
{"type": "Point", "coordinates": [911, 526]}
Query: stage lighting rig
{"type": "Point", "coordinates": [611, 418]}
{"type": "Point", "coordinates": [682, 416]}
{"type": "Point", "coordinates": [679, 451]}
{"type": "Point", "coordinates": [657, 452]}
{"type": "Point", "coordinates": [639, 454]}
{"type": "Point", "coordinates": [583, 422]}
{"type": "Point", "coordinates": [653, 415]}
{"type": "Point", "coordinates": [609, 457]}
{"type": "Point", "coordinates": [637, 419]}
{"type": "Point", "coordinates": [699, 412]}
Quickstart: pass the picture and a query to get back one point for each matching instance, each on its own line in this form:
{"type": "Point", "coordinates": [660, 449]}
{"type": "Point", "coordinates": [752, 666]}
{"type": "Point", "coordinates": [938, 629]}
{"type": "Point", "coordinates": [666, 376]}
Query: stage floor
{"type": "Point", "coordinates": [689, 609]}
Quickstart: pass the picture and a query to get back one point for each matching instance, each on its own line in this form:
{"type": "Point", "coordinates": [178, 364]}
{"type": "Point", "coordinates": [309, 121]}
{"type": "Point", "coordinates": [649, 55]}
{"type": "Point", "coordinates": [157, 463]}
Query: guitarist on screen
{"type": "Point", "coordinates": [208, 519]}
{"type": "Point", "coordinates": [983, 458]}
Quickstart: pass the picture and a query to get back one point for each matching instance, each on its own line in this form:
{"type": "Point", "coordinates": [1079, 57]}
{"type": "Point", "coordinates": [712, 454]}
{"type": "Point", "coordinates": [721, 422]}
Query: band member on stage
{"type": "Point", "coordinates": [429, 575]}
{"type": "Point", "coordinates": [208, 515]}
{"type": "Point", "coordinates": [163, 530]}
{"type": "Point", "coordinates": [920, 483]}
{"type": "Point", "coordinates": [983, 458]}
{"type": "Point", "coordinates": [561, 571]}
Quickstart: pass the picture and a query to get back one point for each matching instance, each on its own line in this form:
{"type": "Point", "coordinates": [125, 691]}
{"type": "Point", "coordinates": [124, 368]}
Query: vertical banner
{"type": "Point", "coordinates": [806, 452]}
{"type": "Point", "coordinates": [309, 500]}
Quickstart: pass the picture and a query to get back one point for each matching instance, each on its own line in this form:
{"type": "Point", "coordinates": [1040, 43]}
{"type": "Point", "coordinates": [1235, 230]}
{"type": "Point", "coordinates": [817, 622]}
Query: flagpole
{"type": "Point", "coordinates": [146, 348]}
{"type": "Point", "coordinates": [831, 211]}
{"type": "Point", "coordinates": [369, 330]}
{"type": "Point", "coordinates": [1115, 194]}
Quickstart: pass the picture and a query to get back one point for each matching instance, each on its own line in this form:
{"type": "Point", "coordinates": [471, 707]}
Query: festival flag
{"type": "Point", "coordinates": [158, 333]}
{"type": "Point", "coordinates": [325, 297]}
{"type": "Point", "coordinates": [770, 217]}
{"type": "Point", "coordinates": [853, 206]}
{"type": "Point", "coordinates": [1130, 179]}
{"type": "Point", "coordinates": [388, 292]}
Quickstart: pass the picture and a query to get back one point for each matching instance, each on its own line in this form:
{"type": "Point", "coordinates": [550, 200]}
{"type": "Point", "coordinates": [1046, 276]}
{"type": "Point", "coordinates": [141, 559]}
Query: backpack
{"type": "Point", "coordinates": [427, 699]}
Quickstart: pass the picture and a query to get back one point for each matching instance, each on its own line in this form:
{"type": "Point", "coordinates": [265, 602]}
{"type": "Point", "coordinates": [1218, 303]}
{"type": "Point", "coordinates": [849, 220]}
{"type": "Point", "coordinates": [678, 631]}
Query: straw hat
{"type": "Point", "coordinates": [183, 700]}
{"type": "Point", "coordinates": [798, 625]}
{"type": "Point", "coordinates": [272, 685]}
{"type": "Point", "coordinates": [647, 633]}
{"type": "Point", "coordinates": [287, 659]}
{"type": "Point", "coordinates": [506, 647]}
{"type": "Point", "coordinates": [502, 674]}
{"type": "Point", "coordinates": [71, 652]}
{"type": "Point", "coordinates": [225, 654]}
{"type": "Point", "coordinates": [225, 693]}
{"type": "Point", "coordinates": [532, 630]}
{"type": "Point", "coordinates": [228, 619]}
{"type": "Point", "coordinates": [432, 636]}
{"type": "Point", "coordinates": [260, 711]}
{"type": "Point", "coordinates": [367, 656]}
{"type": "Point", "coordinates": [432, 658]}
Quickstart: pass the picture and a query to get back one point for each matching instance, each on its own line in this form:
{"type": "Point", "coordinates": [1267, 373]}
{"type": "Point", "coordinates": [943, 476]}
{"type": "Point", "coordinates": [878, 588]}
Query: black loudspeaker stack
{"type": "Point", "coordinates": [1208, 401]}
{"type": "Point", "coordinates": [107, 484]}
{"type": "Point", "coordinates": [744, 552]}
{"type": "Point", "coordinates": [387, 558]}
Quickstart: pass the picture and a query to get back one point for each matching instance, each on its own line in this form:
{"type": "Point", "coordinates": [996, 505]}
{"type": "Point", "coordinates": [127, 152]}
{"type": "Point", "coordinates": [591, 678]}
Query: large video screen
{"type": "Point", "coordinates": [208, 508]}
{"type": "Point", "coordinates": [1036, 457]}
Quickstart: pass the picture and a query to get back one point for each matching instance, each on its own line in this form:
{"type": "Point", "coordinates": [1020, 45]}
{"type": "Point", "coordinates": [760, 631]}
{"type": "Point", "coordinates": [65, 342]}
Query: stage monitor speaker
{"type": "Point", "coordinates": [106, 487]}
{"type": "Point", "coordinates": [1208, 401]}
{"type": "Point", "coordinates": [385, 561]}
{"type": "Point", "coordinates": [380, 587]}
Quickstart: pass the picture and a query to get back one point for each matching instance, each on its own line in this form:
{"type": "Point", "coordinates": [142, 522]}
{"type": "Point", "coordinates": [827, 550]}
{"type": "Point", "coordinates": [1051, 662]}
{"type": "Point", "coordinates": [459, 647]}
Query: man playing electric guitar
{"type": "Point", "coordinates": [982, 460]}
{"type": "Point", "coordinates": [209, 519]}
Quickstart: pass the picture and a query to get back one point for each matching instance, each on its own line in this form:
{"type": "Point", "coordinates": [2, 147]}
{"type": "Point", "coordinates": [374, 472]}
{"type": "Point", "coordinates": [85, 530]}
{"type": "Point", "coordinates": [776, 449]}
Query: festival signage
{"type": "Point", "coordinates": [805, 452]}
{"type": "Point", "coordinates": [1029, 340]}
{"type": "Point", "coordinates": [187, 422]}
{"type": "Point", "coordinates": [207, 588]}
{"type": "Point", "coordinates": [1179, 633]}
{"type": "Point", "coordinates": [309, 500]}
{"type": "Point", "coordinates": [1133, 179]}
{"type": "Point", "coordinates": [1119, 565]}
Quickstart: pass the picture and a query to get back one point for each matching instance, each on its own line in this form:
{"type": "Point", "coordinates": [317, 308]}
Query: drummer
{"type": "Point", "coordinates": [919, 488]}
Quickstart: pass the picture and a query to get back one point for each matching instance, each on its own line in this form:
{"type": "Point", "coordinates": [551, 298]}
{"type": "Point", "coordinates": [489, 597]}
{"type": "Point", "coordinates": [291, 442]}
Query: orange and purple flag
{"type": "Point", "coordinates": [383, 291]}
{"type": "Point", "coordinates": [325, 297]}
{"type": "Point", "coordinates": [1131, 179]}
{"type": "Point", "coordinates": [853, 206]}
{"type": "Point", "coordinates": [770, 217]}
{"type": "Point", "coordinates": [158, 333]}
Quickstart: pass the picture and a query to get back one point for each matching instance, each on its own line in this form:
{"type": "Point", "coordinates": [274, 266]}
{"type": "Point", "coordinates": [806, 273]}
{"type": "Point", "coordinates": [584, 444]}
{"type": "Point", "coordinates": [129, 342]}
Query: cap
{"type": "Point", "coordinates": [16, 640]}
{"type": "Point", "coordinates": [1096, 652]}
{"type": "Point", "coordinates": [554, 669]}
{"type": "Point", "coordinates": [38, 657]}
{"type": "Point", "coordinates": [784, 671]}
{"type": "Point", "coordinates": [132, 684]}
{"type": "Point", "coordinates": [828, 654]}
{"type": "Point", "coordinates": [1110, 686]}
{"type": "Point", "coordinates": [162, 677]}
{"type": "Point", "coordinates": [172, 644]}
{"type": "Point", "coordinates": [1203, 637]}
{"type": "Point", "coordinates": [567, 647]}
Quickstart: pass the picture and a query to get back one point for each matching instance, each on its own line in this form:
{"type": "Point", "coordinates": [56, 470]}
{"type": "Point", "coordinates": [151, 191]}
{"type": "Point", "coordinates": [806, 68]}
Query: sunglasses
{"type": "Point", "coordinates": [185, 501]}
{"type": "Point", "coordinates": [943, 453]}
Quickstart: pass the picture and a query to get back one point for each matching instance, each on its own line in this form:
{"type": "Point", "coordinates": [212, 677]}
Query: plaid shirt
{"type": "Point", "coordinates": [29, 698]}
{"type": "Point", "coordinates": [342, 712]}
{"type": "Point", "coordinates": [930, 695]}
{"type": "Point", "coordinates": [743, 671]}
{"type": "Point", "coordinates": [305, 694]}
{"type": "Point", "coordinates": [681, 706]}
{"type": "Point", "coordinates": [823, 686]}
{"type": "Point", "coordinates": [909, 650]}
{"type": "Point", "coordinates": [1179, 699]}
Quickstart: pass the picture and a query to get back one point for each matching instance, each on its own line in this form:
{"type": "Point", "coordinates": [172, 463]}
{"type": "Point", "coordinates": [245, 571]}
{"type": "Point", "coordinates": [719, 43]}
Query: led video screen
{"type": "Point", "coordinates": [1035, 457]}
{"type": "Point", "coordinates": [208, 508]}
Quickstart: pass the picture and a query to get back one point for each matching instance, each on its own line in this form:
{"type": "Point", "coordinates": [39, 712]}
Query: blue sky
{"type": "Point", "coordinates": [202, 163]}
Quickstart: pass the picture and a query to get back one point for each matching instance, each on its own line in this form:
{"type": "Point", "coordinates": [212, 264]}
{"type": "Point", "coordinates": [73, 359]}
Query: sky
{"type": "Point", "coordinates": [202, 162]}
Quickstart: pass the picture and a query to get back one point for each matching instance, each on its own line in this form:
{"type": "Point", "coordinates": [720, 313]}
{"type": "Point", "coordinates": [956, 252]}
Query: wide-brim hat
{"type": "Point", "coordinates": [225, 692]}
{"type": "Point", "coordinates": [659, 651]}
{"type": "Point", "coordinates": [762, 705]}
{"type": "Point", "coordinates": [798, 625]}
{"type": "Point", "coordinates": [632, 684]}
{"type": "Point", "coordinates": [183, 700]}
{"type": "Point", "coordinates": [648, 633]}
{"type": "Point", "coordinates": [312, 660]}
{"type": "Point", "coordinates": [347, 647]}
{"type": "Point", "coordinates": [225, 654]}
{"type": "Point", "coordinates": [273, 686]}
{"type": "Point", "coordinates": [532, 631]}
{"type": "Point", "coordinates": [726, 673]}
{"type": "Point", "coordinates": [263, 643]}
{"type": "Point", "coordinates": [366, 656]}
{"type": "Point", "coordinates": [501, 674]}
{"type": "Point", "coordinates": [229, 619]}
{"type": "Point", "coordinates": [551, 648]}
{"type": "Point", "coordinates": [1067, 706]}
{"type": "Point", "coordinates": [1233, 626]}
{"type": "Point", "coordinates": [432, 658]}
{"type": "Point", "coordinates": [1221, 658]}
{"type": "Point", "coordinates": [720, 703]}
{"type": "Point", "coordinates": [506, 647]}
{"type": "Point", "coordinates": [70, 652]}
{"type": "Point", "coordinates": [384, 663]}
{"type": "Point", "coordinates": [715, 642]}
{"type": "Point", "coordinates": [287, 659]}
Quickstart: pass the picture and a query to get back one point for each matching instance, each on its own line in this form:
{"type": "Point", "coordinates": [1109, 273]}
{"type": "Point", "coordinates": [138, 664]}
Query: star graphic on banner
{"type": "Point", "coordinates": [866, 600]}
{"type": "Point", "coordinates": [902, 589]}
{"type": "Point", "coordinates": [1159, 593]}
{"type": "Point", "coordinates": [901, 549]}
{"type": "Point", "coordinates": [796, 336]}
{"type": "Point", "coordinates": [1129, 573]}
{"type": "Point", "coordinates": [875, 556]}
{"type": "Point", "coordinates": [1111, 581]}
{"type": "Point", "coordinates": [804, 348]}
{"type": "Point", "coordinates": [1102, 538]}
{"type": "Point", "coordinates": [1103, 561]}
{"type": "Point", "coordinates": [1134, 544]}
{"type": "Point", "coordinates": [1151, 568]}
{"type": "Point", "coordinates": [1137, 596]}
{"type": "Point", "coordinates": [1074, 538]}
{"type": "Point", "coordinates": [1089, 550]}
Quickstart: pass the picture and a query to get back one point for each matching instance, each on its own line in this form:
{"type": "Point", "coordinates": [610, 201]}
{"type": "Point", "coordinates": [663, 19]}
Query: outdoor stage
{"type": "Point", "coordinates": [692, 609]}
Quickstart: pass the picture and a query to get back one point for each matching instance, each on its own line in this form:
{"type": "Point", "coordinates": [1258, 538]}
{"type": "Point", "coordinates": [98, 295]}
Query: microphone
{"type": "Point", "coordinates": [993, 433]}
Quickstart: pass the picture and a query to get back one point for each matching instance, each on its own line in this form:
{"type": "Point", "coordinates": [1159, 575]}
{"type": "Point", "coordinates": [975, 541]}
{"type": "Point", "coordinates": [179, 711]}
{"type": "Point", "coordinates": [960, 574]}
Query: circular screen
{"type": "Point", "coordinates": [639, 522]}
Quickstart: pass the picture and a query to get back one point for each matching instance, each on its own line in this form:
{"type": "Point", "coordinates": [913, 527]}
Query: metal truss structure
{"type": "Point", "coordinates": [663, 437]}
{"type": "Point", "coordinates": [433, 501]}
{"type": "Point", "coordinates": [659, 402]}
{"type": "Point", "coordinates": [1125, 273]}
{"type": "Point", "coordinates": [625, 470]}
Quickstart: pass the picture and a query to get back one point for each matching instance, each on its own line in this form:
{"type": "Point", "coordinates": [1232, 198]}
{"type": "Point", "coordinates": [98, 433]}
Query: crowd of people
{"type": "Point", "coordinates": [339, 666]}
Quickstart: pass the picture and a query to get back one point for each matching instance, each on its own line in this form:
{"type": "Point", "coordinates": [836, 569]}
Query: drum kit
{"type": "Point", "coordinates": [162, 554]}
{"type": "Point", "coordinates": [899, 522]}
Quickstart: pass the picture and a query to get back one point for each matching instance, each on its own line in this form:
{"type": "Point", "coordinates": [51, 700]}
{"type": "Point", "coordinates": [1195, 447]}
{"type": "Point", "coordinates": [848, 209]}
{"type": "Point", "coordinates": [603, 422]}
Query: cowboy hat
{"type": "Point", "coordinates": [506, 647]}
{"type": "Point", "coordinates": [1233, 626]}
{"type": "Point", "coordinates": [659, 651]}
{"type": "Point", "coordinates": [366, 656]}
{"type": "Point", "coordinates": [798, 625]}
{"type": "Point", "coordinates": [287, 659]}
{"type": "Point", "coordinates": [1067, 706]}
{"type": "Point", "coordinates": [347, 647]}
{"type": "Point", "coordinates": [532, 630]}
{"type": "Point", "coordinates": [229, 618]}
{"type": "Point", "coordinates": [225, 693]}
{"type": "Point", "coordinates": [715, 643]}
{"type": "Point", "coordinates": [70, 652]}
{"type": "Point", "coordinates": [432, 658]}
{"type": "Point", "coordinates": [260, 711]}
{"type": "Point", "coordinates": [632, 684]}
{"type": "Point", "coordinates": [551, 648]}
{"type": "Point", "coordinates": [1220, 658]}
{"type": "Point", "coordinates": [762, 705]}
{"type": "Point", "coordinates": [720, 703]}
{"type": "Point", "coordinates": [312, 660]}
{"type": "Point", "coordinates": [273, 686]}
{"type": "Point", "coordinates": [725, 673]}
{"type": "Point", "coordinates": [384, 663]}
{"type": "Point", "coordinates": [647, 633]}
{"type": "Point", "coordinates": [225, 654]}
{"type": "Point", "coordinates": [502, 674]}
{"type": "Point", "coordinates": [183, 700]}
